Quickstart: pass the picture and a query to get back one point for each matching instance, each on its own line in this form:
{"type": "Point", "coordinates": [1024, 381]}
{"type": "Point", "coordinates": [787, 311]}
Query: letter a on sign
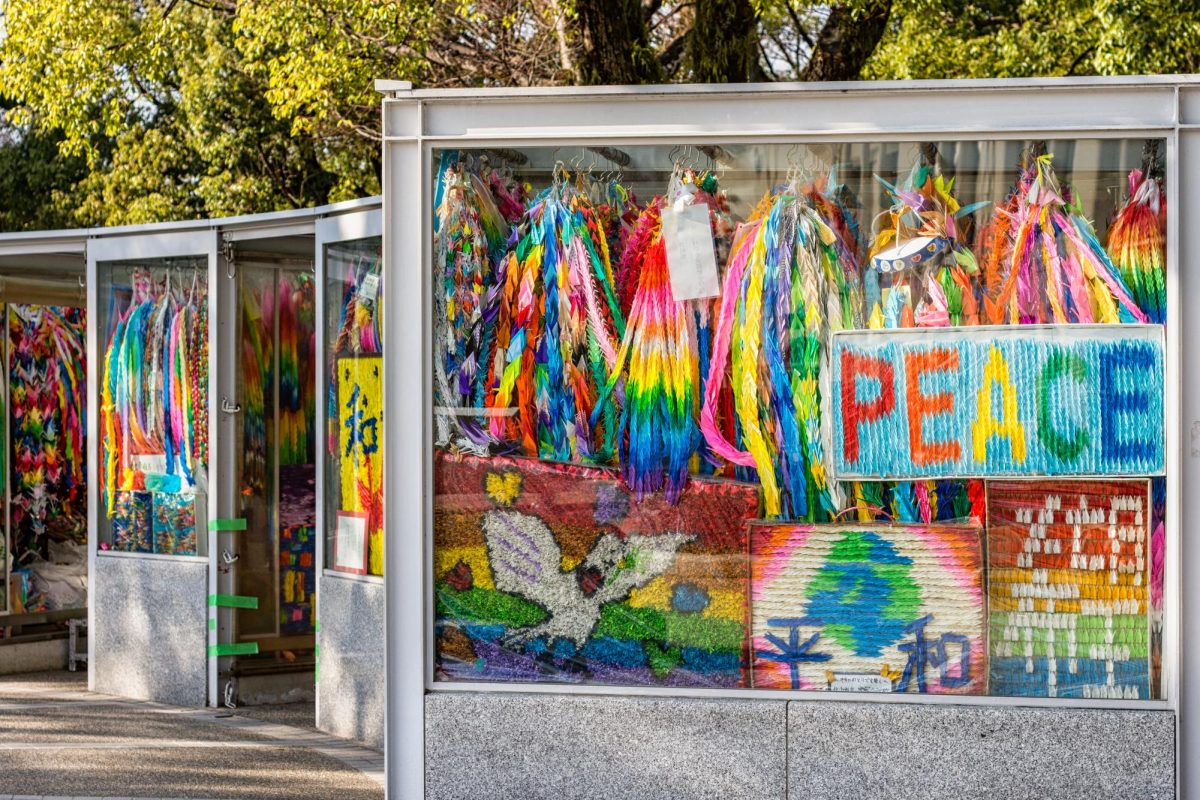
{"type": "Point", "coordinates": [986, 425]}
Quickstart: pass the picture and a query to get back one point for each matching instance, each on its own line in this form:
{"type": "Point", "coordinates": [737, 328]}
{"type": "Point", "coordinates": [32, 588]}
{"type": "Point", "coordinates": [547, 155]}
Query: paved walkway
{"type": "Point", "coordinates": [57, 740]}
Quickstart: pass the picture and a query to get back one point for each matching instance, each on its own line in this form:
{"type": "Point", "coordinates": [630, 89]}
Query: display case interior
{"type": "Point", "coordinates": [854, 416]}
{"type": "Point", "coordinates": [353, 407]}
{"type": "Point", "coordinates": [43, 456]}
{"type": "Point", "coordinates": [153, 328]}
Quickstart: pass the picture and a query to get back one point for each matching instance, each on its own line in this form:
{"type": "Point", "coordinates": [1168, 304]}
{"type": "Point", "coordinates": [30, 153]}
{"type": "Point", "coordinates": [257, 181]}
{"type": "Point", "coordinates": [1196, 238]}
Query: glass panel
{"type": "Point", "coordinates": [154, 405]}
{"type": "Point", "coordinates": [862, 417]}
{"type": "Point", "coordinates": [278, 391]}
{"type": "Point", "coordinates": [45, 488]}
{"type": "Point", "coordinates": [354, 407]}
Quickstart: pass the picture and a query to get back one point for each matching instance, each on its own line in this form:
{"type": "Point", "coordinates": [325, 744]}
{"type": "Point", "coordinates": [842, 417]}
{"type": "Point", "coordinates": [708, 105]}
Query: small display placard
{"type": "Point", "coordinates": [350, 543]}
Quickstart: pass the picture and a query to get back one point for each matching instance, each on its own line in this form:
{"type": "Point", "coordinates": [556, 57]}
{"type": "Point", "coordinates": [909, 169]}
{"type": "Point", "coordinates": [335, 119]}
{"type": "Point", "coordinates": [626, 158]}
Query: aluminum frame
{"type": "Point", "coordinates": [349, 227]}
{"type": "Point", "coordinates": [173, 244]}
{"type": "Point", "coordinates": [417, 121]}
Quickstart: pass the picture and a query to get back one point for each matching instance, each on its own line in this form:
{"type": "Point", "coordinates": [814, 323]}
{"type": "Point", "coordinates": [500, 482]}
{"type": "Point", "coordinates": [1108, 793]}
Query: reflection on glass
{"type": "Point", "coordinates": [278, 483]}
{"type": "Point", "coordinates": [862, 417]}
{"type": "Point", "coordinates": [354, 408]}
{"type": "Point", "coordinates": [154, 406]}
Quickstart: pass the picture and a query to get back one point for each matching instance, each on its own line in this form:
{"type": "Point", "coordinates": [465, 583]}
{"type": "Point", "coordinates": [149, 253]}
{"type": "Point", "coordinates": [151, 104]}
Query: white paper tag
{"type": "Point", "coordinates": [859, 682]}
{"type": "Point", "coordinates": [151, 464]}
{"type": "Point", "coordinates": [691, 259]}
{"type": "Point", "coordinates": [369, 288]}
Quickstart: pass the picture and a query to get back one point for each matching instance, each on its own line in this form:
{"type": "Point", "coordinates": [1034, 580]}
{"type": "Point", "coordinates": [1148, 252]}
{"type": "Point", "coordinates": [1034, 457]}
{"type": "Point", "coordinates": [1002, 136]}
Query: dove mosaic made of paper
{"type": "Point", "coordinates": [555, 572]}
{"type": "Point", "coordinates": [984, 402]}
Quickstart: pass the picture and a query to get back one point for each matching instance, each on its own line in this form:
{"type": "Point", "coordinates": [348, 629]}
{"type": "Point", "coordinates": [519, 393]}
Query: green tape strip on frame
{"type": "Point", "coordinates": [232, 601]}
{"type": "Point", "coordinates": [240, 649]}
{"type": "Point", "coordinates": [227, 524]}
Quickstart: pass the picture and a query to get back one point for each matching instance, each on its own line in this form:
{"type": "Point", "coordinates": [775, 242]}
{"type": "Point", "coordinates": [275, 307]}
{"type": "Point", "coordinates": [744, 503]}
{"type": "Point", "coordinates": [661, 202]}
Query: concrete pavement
{"type": "Point", "coordinates": [57, 740]}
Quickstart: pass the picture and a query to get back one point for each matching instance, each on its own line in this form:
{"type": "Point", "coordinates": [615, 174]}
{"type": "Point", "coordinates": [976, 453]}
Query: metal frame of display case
{"type": "Point", "coordinates": [340, 229]}
{"type": "Point", "coordinates": [178, 242]}
{"type": "Point", "coordinates": [418, 121]}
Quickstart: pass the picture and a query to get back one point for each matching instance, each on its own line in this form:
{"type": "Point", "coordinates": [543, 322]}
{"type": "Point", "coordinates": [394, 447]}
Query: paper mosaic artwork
{"type": "Point", "coordinates": [867, 608]}
{"type": "Point", "coordinates": [132, 522]}
{"type": "Point", "coordinates": [555, 572]}
{"type": "Point", "coordinates": [992, 402]}
{"type": "Point", "coordinates": [47, 405]}
{"type": "Point", "coordinates": [360, 434]}
{"type": "Point", "coordinates": [174, 524]}
{"type": "Point", "coordinates": [1068, 588]}
{"type": "Point", "coordinates": [297, 578]}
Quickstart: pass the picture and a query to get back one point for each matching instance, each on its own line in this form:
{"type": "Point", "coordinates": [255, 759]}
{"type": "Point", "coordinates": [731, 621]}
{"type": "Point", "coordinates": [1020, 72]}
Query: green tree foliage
{"type": "Point", "coordinates": [126, 111]}
{"type": "Point", "coordinates": [1032, 38]}
{"type": "Point", "coordinates": [33, 172]}
{"type": "Point", "coordinates": [160, 103]}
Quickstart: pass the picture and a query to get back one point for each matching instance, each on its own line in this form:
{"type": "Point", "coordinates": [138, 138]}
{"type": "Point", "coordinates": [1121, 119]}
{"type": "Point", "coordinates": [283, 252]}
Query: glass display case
{"type": "Point", "coordinates": [842, 416]}
{"type": "Point", "coordinates": [43, 553]}
{"type": "Point", "coordinates": [865, 398]}
{"type": "Point", "coordinates": [277, 395]}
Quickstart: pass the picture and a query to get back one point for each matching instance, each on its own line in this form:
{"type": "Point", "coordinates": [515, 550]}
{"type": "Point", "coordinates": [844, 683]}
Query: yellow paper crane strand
{"type": "Point", "coordinates": [746, 386]}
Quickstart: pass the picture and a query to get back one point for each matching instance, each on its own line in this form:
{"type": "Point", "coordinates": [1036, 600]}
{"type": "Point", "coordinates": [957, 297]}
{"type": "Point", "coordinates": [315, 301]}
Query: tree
{"type": "Point", "coordinates": [1000, 39]}
{"type": "Point", "coordinates": [158, 101]}
{"type": "Point", "coordinates": [33, 172]}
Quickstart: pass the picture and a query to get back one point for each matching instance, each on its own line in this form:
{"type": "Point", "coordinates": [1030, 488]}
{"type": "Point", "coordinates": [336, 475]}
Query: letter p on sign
{"type": "Point", "coordinates": [854, 410]}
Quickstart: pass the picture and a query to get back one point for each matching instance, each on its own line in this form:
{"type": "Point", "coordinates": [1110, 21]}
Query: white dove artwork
{"type": "Point", "coordinates": [558, 572]}
{"type": "Point", "coordinates": [526, 561]}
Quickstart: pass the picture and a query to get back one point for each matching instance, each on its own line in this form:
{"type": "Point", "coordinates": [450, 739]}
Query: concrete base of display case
{"type": "Point", "coordinates": [351, 685]}
{"type": "Point", "coordinates": [864, 750]}
{"type": "Point", "coordinates": [150, 629]}
{"type": "Point", "coordinates": [523, 746]}
{"type": "Point", "coordinates": [507, 745]}
{"type": "Point", "coordinates": [18, 657]}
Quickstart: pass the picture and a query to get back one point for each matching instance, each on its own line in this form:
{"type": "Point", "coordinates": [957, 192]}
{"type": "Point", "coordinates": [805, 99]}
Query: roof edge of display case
{"type": "Point", "coordinates": [792, 87]}
{"type": "Point", "coordinates": [817, 111]}
{"type": "Point", "coordinates": [75, 238]}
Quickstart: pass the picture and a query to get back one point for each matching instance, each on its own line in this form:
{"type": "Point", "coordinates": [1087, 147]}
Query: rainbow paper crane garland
{"type": "Point", "coordinates": [1137, 242]}
{"type": "Point", "coordinates": [154, 385]}
{"type": "Point", "coordinates": [296, 296]}
{"type": "Point", "coordinates": [658, 431]}
{"type": "Point", "coordinates": [471, 238]}
{"type": "Point", "coordinates": [782, 296]}
{"type": "Point", "coordinates": [1045, 264]}
{"type": "Point", "coordinates": [556, 331]}
{"type": "Point", "coordinates": [919, 250]}
{"type": "Point", "coordinates": [257, 364]}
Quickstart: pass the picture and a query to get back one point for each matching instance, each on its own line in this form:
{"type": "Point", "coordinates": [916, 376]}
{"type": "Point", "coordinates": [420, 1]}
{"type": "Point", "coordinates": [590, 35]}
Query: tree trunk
{"type": "Point", "coordinates": [723, 42]}
{"type": "Point", "coordinates": [846, 42]}
{"type": "Point", "coordinates": [615, 43]}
